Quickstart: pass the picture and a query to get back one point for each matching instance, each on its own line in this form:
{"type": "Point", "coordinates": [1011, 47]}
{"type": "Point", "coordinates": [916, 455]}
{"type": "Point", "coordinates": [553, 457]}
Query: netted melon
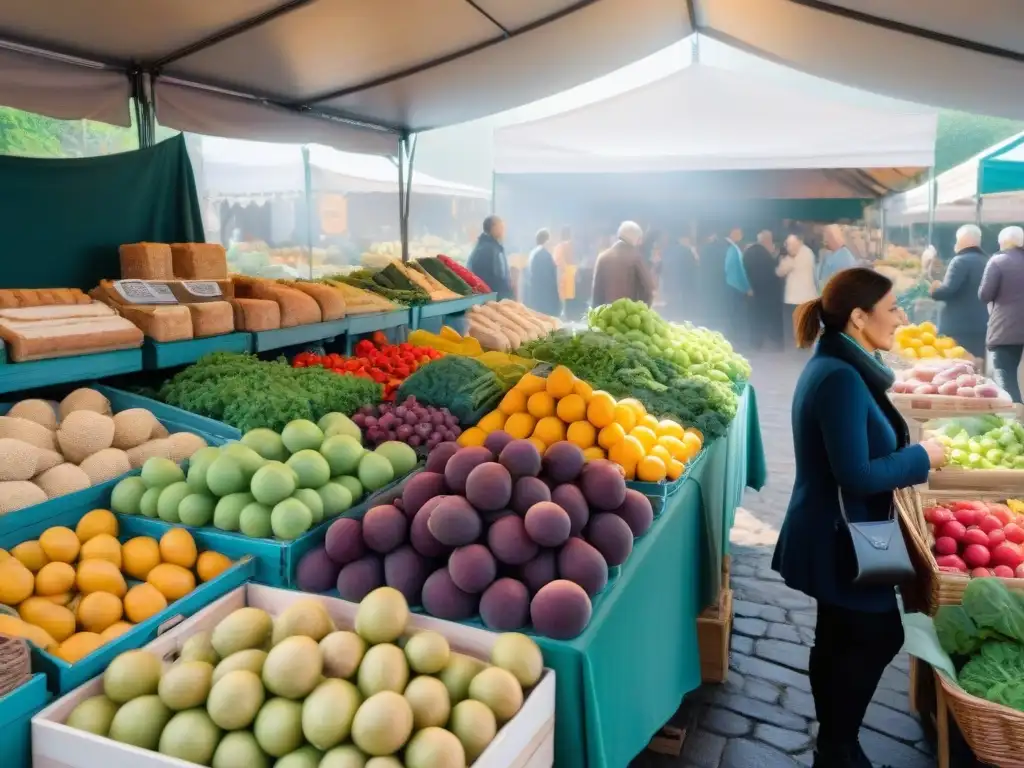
{"type": "Point", "coordinates": [46, 460]}
{"type": "Point", "coordinates": [17, 459]}
{"type": "Point", "coordinates": [39, 411]}
{"type": "Point", "coordinates": [160, 448]}
{"type": "Point", "coordinates": [62, 480]}
{"type": "Point", "coordinates": [159, 432]}
{"type": "Point", "coordinates": [106, 465]}
{"type": "Point", "coordinates": [83, 433]}
{"type": "Point", "coordinates": [133, 428]}
{"type": "Point", "coordinates": [84, 399]}
{"type": "Point", "coordinates": [184, 444]}
{"type": "Point", "coordinates": [27, 431]}
{"type": "Point", "coordinates": [18, 494]}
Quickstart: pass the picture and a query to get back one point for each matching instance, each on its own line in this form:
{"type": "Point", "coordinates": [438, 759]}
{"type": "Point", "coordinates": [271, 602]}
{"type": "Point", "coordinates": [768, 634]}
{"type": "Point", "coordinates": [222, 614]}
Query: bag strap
{"type": "Point", "coordinates": [842, 509]}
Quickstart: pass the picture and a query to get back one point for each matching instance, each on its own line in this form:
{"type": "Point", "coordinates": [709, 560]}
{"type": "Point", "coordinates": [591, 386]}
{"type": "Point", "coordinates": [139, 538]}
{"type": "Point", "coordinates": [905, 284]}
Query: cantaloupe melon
{"type": "Point", "coordinates": [19, 494]}
{"type": "Point", "coordinates": [84, 399]}
{"type": "Point", "coordinates": [184, 444]}
{"type": "Point", "coordinates": [27, 431]}
{"type": "Point", "coordinates": [159, 432]}
{"type": "Point", "coordinates": [132, 428]}
{"type": "Point", "coordinates": [46, 460]}
{"type": "Point", "coordinates": [160, 448]}
{"type": "Point", "coordinates": [106, 464]}
{"type": "Point", "coordinates": [17, 459]}
{"type": "Point", "coordinates": [39, 411]}
{"type": "Point", "coordinates": [62, 480]}
{"type": "Point", "coordinates": [83, 433]}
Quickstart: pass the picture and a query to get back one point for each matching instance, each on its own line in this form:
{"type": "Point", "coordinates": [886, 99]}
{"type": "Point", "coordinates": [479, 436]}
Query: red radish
{"type": "Point", "coordinates": [938, 515]}
{"type": "Point", "coordinates": [951, 561]}
{"type": "Point", "coordinates": [1003, 571]}
{"type": "Point", "coordinates": [1018, 572]}
{"type": "Point", "coordinates": [975, 535]}
{"type": "Point", "coordinates": [1007, 554]}
{"type": "Point", "coordinates": [1002, 512]}
{"type": "Point", "coordinates": [954, 529]}
{"type": "Point", "coordinates": [1014, 533]}
{"type": "Point", "coordinates": [990, 523]}
{"type": "Point", "coordinates": [945, 546]}
{"type": "Point", "coordinates": [977, 556]}
{"type": "Point", "coordinates": [981, 573]}
{"type": "Point", "coordinates": [966, 515]}
{"type": "Point", "coordinates": [996, 537]}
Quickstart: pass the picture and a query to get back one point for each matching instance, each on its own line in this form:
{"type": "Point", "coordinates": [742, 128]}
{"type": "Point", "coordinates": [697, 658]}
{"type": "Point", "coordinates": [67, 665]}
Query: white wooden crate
{"type": "Point", "coordinates": [526, 741]}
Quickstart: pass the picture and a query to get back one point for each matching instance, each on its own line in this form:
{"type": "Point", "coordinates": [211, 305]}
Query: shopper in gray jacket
{"type": "Point", "coordinates": [963, 315]}
{"type": "Point", "coordinates": [1002, 288]}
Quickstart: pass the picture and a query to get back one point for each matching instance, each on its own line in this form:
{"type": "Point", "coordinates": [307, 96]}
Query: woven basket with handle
{"type": "Point", "coordinates": [15, 663]}
{"type": "Point", "coordinates": [995, 733]}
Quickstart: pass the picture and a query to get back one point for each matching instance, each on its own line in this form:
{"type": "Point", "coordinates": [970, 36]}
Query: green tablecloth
{"type": "Point", "coordinates": [625, 676]}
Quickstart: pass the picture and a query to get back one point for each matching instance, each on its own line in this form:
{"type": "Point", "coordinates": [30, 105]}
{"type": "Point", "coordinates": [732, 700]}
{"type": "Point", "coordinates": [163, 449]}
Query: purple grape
{"type": "Point", "coordinates": [411, 399]}
{"type": "Point", "coordinates": [410, 417]}
{"type": "Point", "coordinates": [370, 421]}
{"type": "Point", "coordinates": [359, 420]}
{"type": "Point", "coordinates": [445, 411]}
{"type": "Point", "coordinates": [387, 421]}
{"type": "Point", "coordinates": [404, 432]}
{"type": "Point", "coordinates": [400, 411]}
{"type": "Point", "coordinates": [455, 432]}
{"type": "Point", "coordinates": [450, 421]}
{"type": "Point", "coordinates": [384, 408]}
{"type": "Point", "coordinates": [415, 441]}
{"type": "Point", "coordinates": [433, 440]}
{"type": "Point", "coordinates": [366, 410]}
{"type": "Point", "coordinates": [391, 434]}
{"type": "Point", "coordinates": [424, 430]}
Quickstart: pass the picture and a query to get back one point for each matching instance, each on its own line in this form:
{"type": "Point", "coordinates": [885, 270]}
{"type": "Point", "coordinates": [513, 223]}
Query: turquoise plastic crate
{"type": "Point", "coordinates": [17, 709]}
{"type": "Point", "coordinates": [183, 420]}
{"type": "Point", "coordinates": [17, 377]}
{"type": "Point", "coordinates": [63, 677]}
{"type": "Point", "coordinates": [659, 493]}
{"type": "Point", "coordinates": [171, 354]}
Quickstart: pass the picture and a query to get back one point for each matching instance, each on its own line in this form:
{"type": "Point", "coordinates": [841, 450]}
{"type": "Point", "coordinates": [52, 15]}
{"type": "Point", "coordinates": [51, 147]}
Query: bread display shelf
{"type": "Point", "coordinates": [450, 307]}
{"type": "Point", "coordinates": [172, 354]}
{"type": "Point", "coordinates": [299, 334]}
{"type": "Point", "coordinates": [17, 377]}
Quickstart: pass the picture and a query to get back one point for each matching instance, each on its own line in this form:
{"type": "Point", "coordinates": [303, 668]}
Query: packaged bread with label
{"type": "Point", "coordinates": [199, 261]}
{"type": "Point", "coordinates": [211, 318]}
{"type": "Point", "coordinates": [36, 333]}
{"type": "Point", "coordinates": [256, 315]}
{"type": "Point", "coordinates": [296, 307]}
{"type": "Point", "coordinates": [173, 323]}
{"type": "Point", "coordinates": [146, 261]}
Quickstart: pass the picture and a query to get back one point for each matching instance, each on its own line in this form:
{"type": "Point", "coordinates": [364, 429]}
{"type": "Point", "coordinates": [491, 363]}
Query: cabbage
{"type": "Point", "coordinates": [996, 674]}
{"type": "Point", "coordinates": [992, 606]}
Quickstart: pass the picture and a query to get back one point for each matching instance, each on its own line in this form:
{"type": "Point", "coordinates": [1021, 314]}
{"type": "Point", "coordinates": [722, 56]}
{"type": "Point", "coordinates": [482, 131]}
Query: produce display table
{"type": "Point", "coordinates": [17, 377]}
{"type": "Point", "coordinates": [625, 676]}
{"type": "Point", "coordinates": [433, 315]}
{"type": "Point", "coordinates": [172, 354]}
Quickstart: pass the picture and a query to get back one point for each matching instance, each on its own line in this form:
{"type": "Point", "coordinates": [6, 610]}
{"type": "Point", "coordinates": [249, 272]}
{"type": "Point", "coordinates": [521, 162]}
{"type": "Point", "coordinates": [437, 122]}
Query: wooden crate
{"type": "Point", "coordinates": [714, 628]}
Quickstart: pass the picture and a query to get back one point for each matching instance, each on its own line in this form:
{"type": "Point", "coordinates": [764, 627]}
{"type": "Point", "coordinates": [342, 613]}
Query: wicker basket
{"type": "Point", "coordinates": [1009, 482]}
{"type": "Point", "coordinates": [936, 587]}
{"type": "Point", "coordinates": [15, 663]}
{"type": "Point", "coordinates": [994, 733]}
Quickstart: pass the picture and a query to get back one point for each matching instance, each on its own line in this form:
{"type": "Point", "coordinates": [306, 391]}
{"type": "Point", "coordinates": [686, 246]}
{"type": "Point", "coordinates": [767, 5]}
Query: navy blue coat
{"type": "Point", "coordinates": [487, 261]}
{"type": "Point", "coordinates": [964, 316]}
{"type": "Point", "coordinates": [843, 439]}
{"type": "Point", "coordinates": [541, 289]}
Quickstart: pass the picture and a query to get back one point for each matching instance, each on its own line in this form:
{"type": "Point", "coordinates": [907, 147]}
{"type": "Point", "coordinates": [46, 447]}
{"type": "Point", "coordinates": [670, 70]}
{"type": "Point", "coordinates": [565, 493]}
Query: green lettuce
{"type": "Point", "coordinates": [996, 674]}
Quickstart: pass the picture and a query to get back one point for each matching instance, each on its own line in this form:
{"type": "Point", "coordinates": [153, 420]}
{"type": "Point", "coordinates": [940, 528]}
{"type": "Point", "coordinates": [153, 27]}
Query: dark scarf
{"type": "Point", "coordinates": [876, 374]}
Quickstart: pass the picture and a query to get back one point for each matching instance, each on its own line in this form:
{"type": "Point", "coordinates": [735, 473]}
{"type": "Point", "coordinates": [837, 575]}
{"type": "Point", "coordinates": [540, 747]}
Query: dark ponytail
{"type": "Point", "coordinates": [850, 289]}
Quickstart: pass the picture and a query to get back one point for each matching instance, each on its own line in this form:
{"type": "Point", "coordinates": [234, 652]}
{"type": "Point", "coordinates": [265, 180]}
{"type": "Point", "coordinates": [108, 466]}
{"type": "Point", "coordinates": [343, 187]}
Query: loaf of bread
{"type": "Point", "coordinates": [296, 307]}
{"type": "Point", "coordinates": [256, 314]}
{"type": "Point", "coordinates": [330, 300]}
{"type": "Point", "coordinates": [172, 323]}
{"type": "Point", "coordinates": [199, 261]}
{"type": "Point", "coordinates": [211, 318]}
{"type": "Point", "coordinates": [36, 333]}
{"type": "Point", "coordinates": [146, 261]}
{"type": "Point", "coordinates": [35, 297]}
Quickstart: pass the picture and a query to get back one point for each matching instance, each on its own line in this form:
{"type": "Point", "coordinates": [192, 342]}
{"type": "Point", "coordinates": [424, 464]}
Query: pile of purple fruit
{"type": "Point", "coordinates": [495, 531]}
{"type": "Point", "coordinates": [410, 422]}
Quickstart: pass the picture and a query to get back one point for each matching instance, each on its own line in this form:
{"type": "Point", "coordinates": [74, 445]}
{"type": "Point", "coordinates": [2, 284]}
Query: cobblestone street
{"type": "Point", "coordinates": [763, 716]}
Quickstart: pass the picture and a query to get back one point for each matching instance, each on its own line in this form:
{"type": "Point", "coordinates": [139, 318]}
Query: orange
{"type": "Point", "coordinates": [625, 416]}
{"type": "Point", "coordinates": [674, 469]}
{"type": "Point", "coordinates": [628, 469]}
{"type": "Point", "coordinates": [211, 564]}
{"type": "Point", "coordinates": [648, 421]}
{"type": "Point", "coordinates": [60, 544]}
{"type": "Point", "coordinates": [139, 556]}
{"type": "Point", "coordinates": [472, 436]}
{"type": "Point", "coordinates": [631, 451]}
{"type": "Point", "coordinates": [550, 429]}
{"type": "Point", "coordinates": [582, 433]}
{"type": "Point", "coordinates": [593, 453]}
{"type": "Point", "coordinates": [651, 469]}
{"type": "Point", "coordinates": [583, 389]}
{"type": "Point", "coordinates": [514, 401]}
{"type": "Point", "coordinates": [178, 548]}
{"type": "Point", "coordinates": [539, 444]}
{"type": "Point", "coordinates": [530, 384]}
{"type": "Point", "coordinates": [571, 408]}
{"type": "Point", "coordinates": [99, 610]}
{"type": "Point", "coordinates": [610, 435]}
{"type": "Point", "coordinates": [492, 422]}
{"type": "Point", "coordinates": [560, 382]}
{"type": "Point", "coordinates": [541, 404]}
{"type": "Point", "coordinates": [142, 601]}
{"type": "Point", "coordinates": [646, 437]}
{"type": "Point", "coordinates": [676, 447]}
{"type": "Point", "coordinates": [661, 452]}
{"type": "Point", "coordinates": [601, 410]}
{"type": "Point", "coordinates": [667, 427]}
{"type": "Point", "coordinates": [693, 442]}
{"type": "Point", "coordinates": [102, 546]}
{"type": "Point", "coordinates": [634, 405]}
{"type": "Point", "coordinates": [520, 425]}
{"type": "Point", "coordinates": [96, 522]}
{"type": "Point", "coordinates": [172, 581]}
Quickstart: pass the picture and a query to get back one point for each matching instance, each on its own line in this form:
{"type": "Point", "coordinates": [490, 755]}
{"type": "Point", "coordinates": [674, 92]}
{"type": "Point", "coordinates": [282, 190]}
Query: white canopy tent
{"type": "Point", "coordinates": [243, 171]}
{"type": "Point", "coordinates": [704, 118]}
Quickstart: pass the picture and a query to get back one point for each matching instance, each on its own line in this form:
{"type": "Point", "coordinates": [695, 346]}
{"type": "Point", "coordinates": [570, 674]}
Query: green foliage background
{"type": "Point", "coordinates": [961, 135]}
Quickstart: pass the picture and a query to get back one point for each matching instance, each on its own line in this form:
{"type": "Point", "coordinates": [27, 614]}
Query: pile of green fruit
{"type": "Point", "coordinates": [298, 689]}
{"type": "Point", "coordinates": [268, 484]}
{"type": "Point", "coordinates": [983, 442]}
{"type": "Point", "coordinates": [695, 351]}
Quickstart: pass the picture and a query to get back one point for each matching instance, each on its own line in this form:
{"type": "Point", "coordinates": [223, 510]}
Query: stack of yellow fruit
{"type": "Point", "coordinates": [563, 407]}
{"type": "Point", "coordinates": [923, 342]}
{"type": "Point", "coordinates": [70, 588]}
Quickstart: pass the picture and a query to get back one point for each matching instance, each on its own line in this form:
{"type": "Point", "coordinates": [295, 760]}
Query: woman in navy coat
{"type": "Point", "coordinates": [849, 440]}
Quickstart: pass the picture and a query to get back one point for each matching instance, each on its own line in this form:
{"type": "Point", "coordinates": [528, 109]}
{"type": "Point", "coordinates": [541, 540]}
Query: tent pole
{"type": "Point", "coordinates": [979, 200]}
{"type": "Point", "coordinates": [145, 112]}
{"type": "Point", "coordinates": [307, 178]}
{"type": "Point", "coordinates": [882, 222]}
{"type": "Point", "coordinates": [933, 195]}
{"type": "Point", "coordinates": [406, 158]}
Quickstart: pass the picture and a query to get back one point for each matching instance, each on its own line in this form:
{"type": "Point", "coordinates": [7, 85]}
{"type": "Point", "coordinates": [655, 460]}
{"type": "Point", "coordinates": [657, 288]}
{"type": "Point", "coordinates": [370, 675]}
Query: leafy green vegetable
{"type": "Point", "coordinates": [466, 386]}
{"type": "Point", "coordinates": [991, 605]}
{"type": "Point", "coordinates": [957, 632]}
{"type": "Point", "coordinates": [246, 392]}
{"type": "Point", "coordinates": [379, 284]}
{"type": "Point", "coordinates": [996, 673]}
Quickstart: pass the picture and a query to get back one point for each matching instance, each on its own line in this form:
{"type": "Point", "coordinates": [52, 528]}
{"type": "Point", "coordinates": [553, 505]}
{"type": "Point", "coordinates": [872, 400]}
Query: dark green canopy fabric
{"type": "Point", "coordinates": [63, 220]}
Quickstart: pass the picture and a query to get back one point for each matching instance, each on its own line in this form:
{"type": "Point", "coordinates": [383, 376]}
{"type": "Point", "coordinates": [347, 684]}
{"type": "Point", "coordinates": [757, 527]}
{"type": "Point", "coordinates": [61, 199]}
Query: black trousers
{"type": "Point", "coordinates": [851, 651]}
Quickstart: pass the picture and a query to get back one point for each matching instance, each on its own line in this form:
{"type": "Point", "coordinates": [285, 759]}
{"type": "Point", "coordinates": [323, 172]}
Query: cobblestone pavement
{"type": "Point", "coordinates": [763, 716]}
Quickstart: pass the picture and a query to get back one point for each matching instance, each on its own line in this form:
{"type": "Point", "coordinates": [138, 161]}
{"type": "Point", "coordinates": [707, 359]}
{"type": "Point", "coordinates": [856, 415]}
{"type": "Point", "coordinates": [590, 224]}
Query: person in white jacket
{"type": "Point", "coordinates": [798, 269]}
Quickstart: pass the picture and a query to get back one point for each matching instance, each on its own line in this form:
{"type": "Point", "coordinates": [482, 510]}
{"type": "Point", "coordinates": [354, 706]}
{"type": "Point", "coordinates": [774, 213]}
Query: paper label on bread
{"type": "Point", "coordinates": [142, 292]}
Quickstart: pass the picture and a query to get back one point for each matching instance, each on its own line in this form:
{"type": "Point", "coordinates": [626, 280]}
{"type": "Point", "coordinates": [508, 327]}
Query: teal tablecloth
{"type": "Point", "coordinates": [625, 676]}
